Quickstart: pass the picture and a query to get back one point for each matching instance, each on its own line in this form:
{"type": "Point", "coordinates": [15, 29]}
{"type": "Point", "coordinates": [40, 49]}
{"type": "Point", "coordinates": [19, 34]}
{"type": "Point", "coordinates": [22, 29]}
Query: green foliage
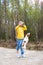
{"type": "Point", "coordinates": [20, 10]}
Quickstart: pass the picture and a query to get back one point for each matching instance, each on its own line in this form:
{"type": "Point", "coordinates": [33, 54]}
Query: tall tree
{"type": "Point", "coordinates": [37, 14]}
{"type": "Point", "coordinates": [6, 18]}
{"type": "Point", "coordinates": [41, 22]}
{"type": "Point", "coordinates": [0, 19]}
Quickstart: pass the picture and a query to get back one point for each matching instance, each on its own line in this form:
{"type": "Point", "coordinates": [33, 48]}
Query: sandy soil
{"type": "Point", "coordinates": [8, 57]}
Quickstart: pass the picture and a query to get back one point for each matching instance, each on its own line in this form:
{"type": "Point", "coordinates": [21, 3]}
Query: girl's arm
{"type": "Point", "coordinates": [16, 27]}
{"type": "Point", "coordinates": [24, 27]}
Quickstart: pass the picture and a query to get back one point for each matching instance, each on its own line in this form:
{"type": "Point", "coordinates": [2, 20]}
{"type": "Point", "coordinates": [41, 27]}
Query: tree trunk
{"type": "Point", "coordinates": [36, 31]}
{"type": "Point", "coordinates": [6, 34]}
{"type": "Point", "coordinates": [25, 14]}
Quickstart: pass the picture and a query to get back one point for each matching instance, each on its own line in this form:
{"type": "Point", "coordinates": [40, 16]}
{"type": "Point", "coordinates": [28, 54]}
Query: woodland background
{"type": "Point", "coordinates": [11, 12]}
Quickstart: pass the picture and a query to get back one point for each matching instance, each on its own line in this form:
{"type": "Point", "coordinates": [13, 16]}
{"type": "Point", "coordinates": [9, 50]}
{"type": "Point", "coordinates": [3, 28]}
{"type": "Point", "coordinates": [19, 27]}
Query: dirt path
{"type": "Point", "coordinates": [8, 57]}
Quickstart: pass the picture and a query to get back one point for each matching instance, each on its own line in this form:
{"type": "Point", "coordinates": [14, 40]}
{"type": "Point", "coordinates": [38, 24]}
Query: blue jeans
{"type": "Point", "coordinates": [19, 45]}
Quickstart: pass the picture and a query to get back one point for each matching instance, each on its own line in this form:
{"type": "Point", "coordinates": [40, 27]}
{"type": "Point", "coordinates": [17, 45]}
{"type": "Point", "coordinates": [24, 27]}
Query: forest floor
{"type": "Point", "coordinates": [31, 45]}
{"type": "Point", "coordinates": [32, 57]}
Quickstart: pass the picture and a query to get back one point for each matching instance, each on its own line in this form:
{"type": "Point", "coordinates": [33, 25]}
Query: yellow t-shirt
{"type": "Point", "coordinates": [20, 31]}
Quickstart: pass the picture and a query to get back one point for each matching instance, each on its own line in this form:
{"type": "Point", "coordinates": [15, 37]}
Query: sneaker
{"type": "Point", "coordinates": [23, 56]}
{"type": "Point", "coordinates": [18, 55]}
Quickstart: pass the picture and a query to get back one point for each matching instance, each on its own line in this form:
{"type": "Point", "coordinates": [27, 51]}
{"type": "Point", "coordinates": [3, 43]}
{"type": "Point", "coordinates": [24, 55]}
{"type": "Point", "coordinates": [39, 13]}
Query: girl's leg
{"type": "Point", "coordinates": [21, 49]}
{"type": "Point", "coordinates": [17, 47]}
